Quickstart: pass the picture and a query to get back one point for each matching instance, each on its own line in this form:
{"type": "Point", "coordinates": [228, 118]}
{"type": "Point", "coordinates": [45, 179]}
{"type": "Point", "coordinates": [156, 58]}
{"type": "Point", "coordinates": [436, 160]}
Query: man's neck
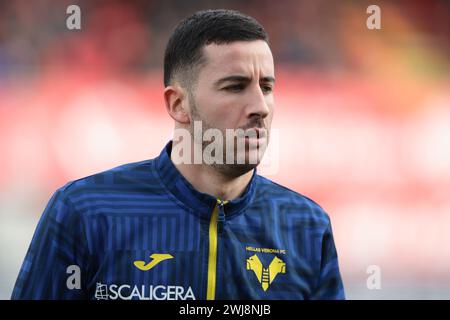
{"type": "Point", "coordinates": [206, 179]}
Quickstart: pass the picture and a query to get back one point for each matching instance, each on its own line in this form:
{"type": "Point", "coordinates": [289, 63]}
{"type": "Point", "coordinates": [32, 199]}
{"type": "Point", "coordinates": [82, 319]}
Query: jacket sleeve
{"type": "Point", "coordinates": [55, 265]}
{"type": "Point", "coordinates": [330, 286]}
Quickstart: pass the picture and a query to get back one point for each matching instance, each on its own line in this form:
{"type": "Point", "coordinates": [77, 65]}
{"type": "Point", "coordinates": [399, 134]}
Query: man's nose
{"type": "Point", "coordinates": [257, 104]}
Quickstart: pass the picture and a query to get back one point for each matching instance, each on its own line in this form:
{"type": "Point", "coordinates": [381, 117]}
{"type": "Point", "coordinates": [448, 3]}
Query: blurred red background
{"type": "Point", "coordinates": [363, 118]}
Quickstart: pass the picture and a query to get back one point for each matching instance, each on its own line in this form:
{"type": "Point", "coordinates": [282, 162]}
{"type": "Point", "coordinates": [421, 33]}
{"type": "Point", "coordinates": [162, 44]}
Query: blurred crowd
{"type": "Point", "coordinates": [363, 117]}
{"type": "Point", "coordinates": [119, 36]}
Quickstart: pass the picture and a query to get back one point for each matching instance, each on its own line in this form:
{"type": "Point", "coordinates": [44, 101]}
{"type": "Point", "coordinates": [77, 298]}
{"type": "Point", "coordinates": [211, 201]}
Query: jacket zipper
{"type": "Point", "coordinates": [215, 228]}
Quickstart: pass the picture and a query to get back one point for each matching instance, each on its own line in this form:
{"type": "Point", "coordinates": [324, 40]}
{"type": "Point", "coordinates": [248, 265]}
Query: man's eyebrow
{"type": "Point", "coordinates": [268, 79]}
{"type": "Point", "coordinates": [232, 78]}
{"type": "Point", "coordinates": [238, 78]}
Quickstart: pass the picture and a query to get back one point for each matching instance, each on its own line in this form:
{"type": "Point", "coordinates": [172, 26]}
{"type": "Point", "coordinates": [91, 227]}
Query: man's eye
{"type": "Point", "coordinates": [266, 89]}
{"type": "Point", "coordinates": [235, 88]}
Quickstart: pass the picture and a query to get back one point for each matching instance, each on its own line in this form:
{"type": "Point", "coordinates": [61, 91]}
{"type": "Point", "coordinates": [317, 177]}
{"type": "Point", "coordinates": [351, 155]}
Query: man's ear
{"type": "Point", "coordinates": [176, 101]}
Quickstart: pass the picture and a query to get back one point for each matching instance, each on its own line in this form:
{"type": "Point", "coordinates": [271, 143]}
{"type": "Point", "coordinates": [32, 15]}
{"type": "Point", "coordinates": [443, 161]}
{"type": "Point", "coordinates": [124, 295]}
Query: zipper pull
{"type": "Point", "coordinates": [221, 215]}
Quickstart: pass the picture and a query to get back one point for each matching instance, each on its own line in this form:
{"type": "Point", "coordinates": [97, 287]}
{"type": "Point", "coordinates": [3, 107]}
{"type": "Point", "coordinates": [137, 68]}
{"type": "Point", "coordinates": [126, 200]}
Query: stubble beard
{"type": "Point", "coordinates": [231, 170]}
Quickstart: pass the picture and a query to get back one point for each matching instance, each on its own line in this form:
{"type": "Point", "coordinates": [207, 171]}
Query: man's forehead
{"type": "Point", "coordinates": [239, 57]}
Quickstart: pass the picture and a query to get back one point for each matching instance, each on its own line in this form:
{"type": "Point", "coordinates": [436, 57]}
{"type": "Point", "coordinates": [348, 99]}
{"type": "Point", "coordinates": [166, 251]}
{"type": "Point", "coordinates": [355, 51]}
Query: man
{"type": "Point", "coordinates": [174, 228]}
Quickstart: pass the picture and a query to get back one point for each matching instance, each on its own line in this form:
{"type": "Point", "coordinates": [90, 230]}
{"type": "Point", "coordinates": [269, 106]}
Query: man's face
{"type": "Point", "coordinates": [234, 91]}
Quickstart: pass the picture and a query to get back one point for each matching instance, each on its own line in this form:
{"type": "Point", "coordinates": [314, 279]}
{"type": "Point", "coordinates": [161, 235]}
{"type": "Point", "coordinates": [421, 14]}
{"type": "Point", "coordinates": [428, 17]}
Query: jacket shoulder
{"type": "Point", "coordinates": [289, 199]}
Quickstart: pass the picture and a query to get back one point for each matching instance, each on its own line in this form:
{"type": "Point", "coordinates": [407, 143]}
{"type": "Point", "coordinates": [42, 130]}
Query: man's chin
{"type": "Point", "coordinates": [235, 170]}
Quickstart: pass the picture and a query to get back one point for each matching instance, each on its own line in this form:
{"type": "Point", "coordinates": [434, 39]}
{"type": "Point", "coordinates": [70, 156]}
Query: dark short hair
{"type": "Point", "coordinates": [184, 49]}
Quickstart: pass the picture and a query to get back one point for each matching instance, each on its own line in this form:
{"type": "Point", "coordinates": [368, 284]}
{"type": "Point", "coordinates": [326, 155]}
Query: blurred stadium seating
{"type": "Point", "coordinates": [364, 120]}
